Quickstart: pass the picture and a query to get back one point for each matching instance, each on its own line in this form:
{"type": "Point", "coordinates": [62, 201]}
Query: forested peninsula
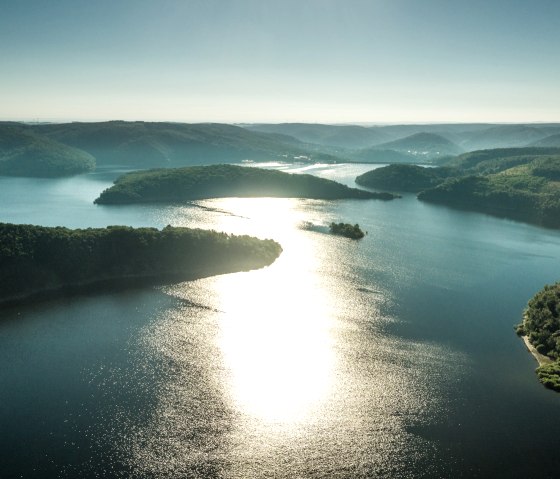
{"type": "Point", "coordinates": [516, 183]}
{"type": "Point", "coordinates": [541, 328]}
{"type": "Point", "coordinates": [37, 261]}
{"type": "Point", "coordinates": [176, 185]}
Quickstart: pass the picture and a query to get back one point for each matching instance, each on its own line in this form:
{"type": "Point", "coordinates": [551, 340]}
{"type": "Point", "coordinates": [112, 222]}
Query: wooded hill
{"type": "Point", "coordinates": [176, 185]}
{"type": "Point", "coordinates": [518, 183]}
{"type": "Point", "coordinates": [139, 145]}
{"type": "Point", "coordinates": [541, 325]}
{"type": "Point", "coordinates": [38, 261]}
{"type": "Point", "coordinates": [69, 148]}
{"type": "Point", "coordinates": [24, 153]}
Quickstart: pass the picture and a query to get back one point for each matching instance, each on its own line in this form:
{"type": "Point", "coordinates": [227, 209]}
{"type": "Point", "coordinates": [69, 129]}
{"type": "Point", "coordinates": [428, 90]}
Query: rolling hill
{"type": "Point", "coordinates": [503, 136]}
{"type": "Point", "coordinates": [375, 155]}
{"type": "Point", "coordinates": [517, 183]}
{"type": "Point", "coordinates": [344, 136]}
{"type": "Point", "coordinates": [23, 153]}
{"type": "Point", "coordinates": [179, 185]}
{"type": "Point", "coordinates": [144, 144]}
{"type": "Point", "coordinates": [423, 146]}
{"type": "Point", "coordinates": [552, 140]}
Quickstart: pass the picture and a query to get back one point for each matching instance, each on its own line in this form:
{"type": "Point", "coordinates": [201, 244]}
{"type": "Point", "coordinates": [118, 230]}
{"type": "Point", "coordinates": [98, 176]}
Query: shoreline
{"type": "Point", "coordinates": [541, 358]}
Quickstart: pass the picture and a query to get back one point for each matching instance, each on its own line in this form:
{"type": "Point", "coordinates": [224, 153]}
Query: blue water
{"type": "Point", "coordinates": [391, 357]}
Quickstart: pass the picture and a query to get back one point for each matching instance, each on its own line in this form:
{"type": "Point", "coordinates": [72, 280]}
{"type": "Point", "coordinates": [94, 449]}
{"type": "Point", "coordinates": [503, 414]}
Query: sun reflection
{"type": "Point", "coordinates": [276, 332]}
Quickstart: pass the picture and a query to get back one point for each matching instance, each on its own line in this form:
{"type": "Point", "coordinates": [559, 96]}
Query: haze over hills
{"type": "Point", "coordinates": [344, 136]}
{"type": "Point", "coordinates": [379, 155]}
{"type": "Point", "coordinates": [70, 148]}
{"type": "Point", "coordinates": [142, 145]}
{"type": "Point", "coordinates": [23, 153]}
{"type": "Point", "coordinates": [423, 145]}
{"type": "Point", "coordinates": [351, 139]}
{"type": "Point", "coordinates": [503, 136]}
{"type": "Point", "coordinates": [552, 140]}
{"type": "Point", "coordinates": [147, 144]}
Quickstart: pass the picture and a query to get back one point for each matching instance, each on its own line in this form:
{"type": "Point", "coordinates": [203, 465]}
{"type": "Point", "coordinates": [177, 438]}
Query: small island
{"type": "Point", "coordinates": [540, 330]}
{"type": "Point", "coordinates": [37, 261]}
{"type": "Point", "coordinates": [347, 230]}
{"type": "Point", "coordinates": [176, 185]}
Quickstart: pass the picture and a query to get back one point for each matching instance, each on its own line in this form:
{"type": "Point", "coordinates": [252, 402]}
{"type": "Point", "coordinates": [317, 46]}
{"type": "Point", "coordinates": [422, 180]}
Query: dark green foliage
{"type": "Point", "coordinates": [482, 161]}
{"type": "Point", "coordinates": [541, 324]}
{"type": "Point", "coordinates": [520, 330]}
{"type": "Point", "coordinates": [517, 194]}
{"type": "Point", "coordinates": [34, 259]}
{"type": "Point", "coordinates": [542, 321]}
{"type": "Point", "coordinates": [521, 186]}
{"type": "Point", "coordinates": [216, 181]}
{"type": "Point", "coordinates": [404, 177]}
{"type": "Point", "coordinates": [549, 375]}
{"type": "Point", "coordinates": [23, 153]}
{"type": "Point", "coordinates": [347, 230]}
{"type": "Point", "coordinates": [547, 167]}
{"type": "Point", "coordinates": [518, 183]}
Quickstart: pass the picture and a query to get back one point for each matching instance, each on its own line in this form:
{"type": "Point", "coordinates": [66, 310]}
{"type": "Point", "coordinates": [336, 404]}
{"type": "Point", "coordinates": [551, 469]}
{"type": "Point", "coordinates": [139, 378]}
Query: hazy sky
{"type": "Point", "coordinates": [283, 60]}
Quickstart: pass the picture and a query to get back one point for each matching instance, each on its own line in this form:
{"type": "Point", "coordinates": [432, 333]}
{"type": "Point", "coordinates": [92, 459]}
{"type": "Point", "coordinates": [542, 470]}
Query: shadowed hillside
{"type": "Point", "coordinates": [222, 181]}
{"type": "Point", "coordinates": [23, 153]}
{"type": "Point", "coordinates": [145, 144]}
{"type": "Point", "coordinates": [36, 260]}
{"type": "Point", "coordinates": [423, 145]}
{"type": "Point", "coordinates": [517, 183]}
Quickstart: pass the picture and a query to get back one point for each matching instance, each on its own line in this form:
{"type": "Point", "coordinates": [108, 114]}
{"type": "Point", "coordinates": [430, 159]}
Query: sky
{"type": "Point", "coordinates": [247, 61]}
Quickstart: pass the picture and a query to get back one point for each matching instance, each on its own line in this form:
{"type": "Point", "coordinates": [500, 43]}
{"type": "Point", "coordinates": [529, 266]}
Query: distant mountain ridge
{"type": "Point", "coordinates": [147, 144]}
{"type": "Point", "coordinates": [140, 145]}
{"type": "Point", "coordinates": [358, 143]}
{"type": "Point", "coordinates": [345, 136]}
{"type": "Point", "coordinates": [70, 148]}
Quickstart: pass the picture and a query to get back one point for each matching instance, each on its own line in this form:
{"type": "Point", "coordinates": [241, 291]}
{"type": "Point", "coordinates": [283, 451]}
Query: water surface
{"type": "Point", "coordinates": [389, 357]}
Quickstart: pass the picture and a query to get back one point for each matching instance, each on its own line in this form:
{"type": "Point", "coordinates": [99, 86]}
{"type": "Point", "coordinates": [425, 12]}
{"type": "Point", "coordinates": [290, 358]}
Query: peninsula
{"type": "Point", "coordinates": [517, 183]}
{"type": "Point", "coordinates": [176, 185]}
{"type": "Point", "coordinates": [37, 261]}
{"type": "Point", "coordinates": [541, 330]}
{"type": "Point", "coordinates": [399, 177]}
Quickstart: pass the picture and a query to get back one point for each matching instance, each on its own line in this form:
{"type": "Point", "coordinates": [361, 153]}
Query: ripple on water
{"type": "Point", "coordinates": [287, 371]}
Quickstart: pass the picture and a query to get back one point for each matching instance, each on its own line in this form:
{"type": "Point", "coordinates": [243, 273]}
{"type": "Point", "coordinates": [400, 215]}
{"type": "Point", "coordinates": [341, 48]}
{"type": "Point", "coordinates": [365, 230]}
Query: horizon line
{"type": "Point", "coordinates": [240, 123]}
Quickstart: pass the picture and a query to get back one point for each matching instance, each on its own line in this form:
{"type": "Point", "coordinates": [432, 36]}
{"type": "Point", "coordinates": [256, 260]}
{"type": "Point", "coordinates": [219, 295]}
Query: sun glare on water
{"type": "Point", "coordinates": [276, 334]}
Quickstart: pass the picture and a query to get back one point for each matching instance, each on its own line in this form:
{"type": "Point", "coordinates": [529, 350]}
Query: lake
{"type": "Point", "coordinates": [391, 357]}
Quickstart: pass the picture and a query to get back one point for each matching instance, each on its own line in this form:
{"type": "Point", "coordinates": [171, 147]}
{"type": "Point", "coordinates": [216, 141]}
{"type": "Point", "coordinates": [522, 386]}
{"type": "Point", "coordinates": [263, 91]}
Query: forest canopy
{"type": "Point", "coordinates": [517, 183]}
{"type": "Point", "coordinates": [217, 181]}
{"type": "Point", "coordinates": [36, 259]}
{"type": "Point", "coordinates": [23, 153]}
{"type": "Point", "coordinates": [541, 325]}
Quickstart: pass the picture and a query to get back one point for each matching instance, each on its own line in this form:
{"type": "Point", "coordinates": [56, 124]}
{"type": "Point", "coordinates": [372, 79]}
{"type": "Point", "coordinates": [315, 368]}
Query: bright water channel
{"type": "Point", "coordinates": [389, 357]}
